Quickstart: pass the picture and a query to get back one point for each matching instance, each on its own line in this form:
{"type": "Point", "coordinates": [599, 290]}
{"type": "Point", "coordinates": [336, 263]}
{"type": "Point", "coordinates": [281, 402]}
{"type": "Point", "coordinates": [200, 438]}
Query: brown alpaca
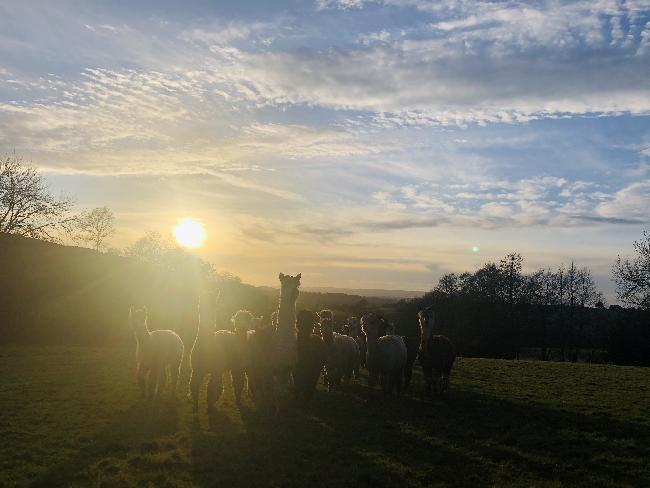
{"type": "Point", "coordinates": [386, 356]}
{"type": "Point", "coordinates": [436, 354]}
{"type": "Point", "coordinates": [311, 357]}
{"type": "Point", "coordinates": [274, 351]}
{"type": "Point", "coordinates": [206, 358]}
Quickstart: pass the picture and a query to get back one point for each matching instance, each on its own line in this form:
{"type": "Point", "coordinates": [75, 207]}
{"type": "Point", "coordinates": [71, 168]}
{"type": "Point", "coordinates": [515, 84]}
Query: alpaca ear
{"type": "Point", "coordinates": [281, 276]}
{"type": "Point", "coordinates": [298, 276]}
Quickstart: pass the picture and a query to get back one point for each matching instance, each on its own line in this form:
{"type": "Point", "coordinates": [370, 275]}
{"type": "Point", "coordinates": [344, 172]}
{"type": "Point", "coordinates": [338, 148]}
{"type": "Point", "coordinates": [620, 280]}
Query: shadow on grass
{"type": "Point", "coordinates": [134, 428]}
{"type": "Point", "coordinates": [467, 439]}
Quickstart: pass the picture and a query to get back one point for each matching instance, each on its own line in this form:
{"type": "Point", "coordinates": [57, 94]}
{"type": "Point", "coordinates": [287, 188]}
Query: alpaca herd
{"type": "Point", "coordinates": [291, 353]}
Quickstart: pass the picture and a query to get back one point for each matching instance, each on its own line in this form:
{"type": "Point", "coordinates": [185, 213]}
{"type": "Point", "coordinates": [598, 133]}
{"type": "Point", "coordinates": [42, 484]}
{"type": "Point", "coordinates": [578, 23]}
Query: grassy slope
{"type": "Point", "coordinates": [72, 417]}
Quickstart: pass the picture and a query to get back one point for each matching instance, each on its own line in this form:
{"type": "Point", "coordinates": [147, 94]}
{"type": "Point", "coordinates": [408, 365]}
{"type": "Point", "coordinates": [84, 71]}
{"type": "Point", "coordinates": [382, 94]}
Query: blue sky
{"type": "Point", "coordinates": [363, 143]}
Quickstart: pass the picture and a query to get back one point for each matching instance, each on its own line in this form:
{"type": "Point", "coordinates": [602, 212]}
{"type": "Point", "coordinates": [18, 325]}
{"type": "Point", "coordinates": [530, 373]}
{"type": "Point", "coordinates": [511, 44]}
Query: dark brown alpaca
{"type": "Point", "coordinates": [436, 355]}
{"type": "Point", "coordinates": [311, 356]}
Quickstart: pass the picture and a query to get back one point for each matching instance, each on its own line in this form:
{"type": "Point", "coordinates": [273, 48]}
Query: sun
{"type": "Point", "coordinates": [189, 233]}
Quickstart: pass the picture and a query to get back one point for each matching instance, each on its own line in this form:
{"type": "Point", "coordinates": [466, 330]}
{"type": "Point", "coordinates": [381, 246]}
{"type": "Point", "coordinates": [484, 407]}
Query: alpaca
{"type": "Point", "coordinates": [232, 347]}
{"type": "Point", "coordinates": [412, 347]}
{"type": "Point", "coordinates": [436, 355]}
{"type": "Point", "coordinates": [204, 358]}
{"type": "Point", "coordinates": [243, 322]}
{"type": "Point", "coordinates": [158, 355]}
{"type": "Point", "coordinates": [311, 357]}
{"type": "Point", "coordinates": [359, 336]}
{"type": "Point", "coordinates": [386, 356]}
{"type": "Point", "coordinates": [274, 351]}
{"type": "Point", "coordinates": [342, 353]}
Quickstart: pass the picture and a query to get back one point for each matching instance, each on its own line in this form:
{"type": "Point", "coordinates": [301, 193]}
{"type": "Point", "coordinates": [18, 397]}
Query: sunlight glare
{"type": "Point", "coordinates": [189, 233]}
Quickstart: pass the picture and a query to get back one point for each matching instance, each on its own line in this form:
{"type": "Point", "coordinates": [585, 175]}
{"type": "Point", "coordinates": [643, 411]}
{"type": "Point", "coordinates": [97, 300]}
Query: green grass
{"type": "Point", "coordinates": [73, 417]}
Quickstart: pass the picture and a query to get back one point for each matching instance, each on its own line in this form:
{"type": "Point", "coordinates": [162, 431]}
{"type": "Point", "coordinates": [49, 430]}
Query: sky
{"type": "Point", "coordinates": [364, 143]}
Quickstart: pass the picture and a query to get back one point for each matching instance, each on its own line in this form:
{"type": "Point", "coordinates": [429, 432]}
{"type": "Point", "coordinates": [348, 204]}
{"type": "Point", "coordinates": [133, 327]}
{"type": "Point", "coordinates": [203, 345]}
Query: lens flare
{"type": "Point", "coordinates": [475, 249]}
{"type": "Point", "coordinates": [189, 233]}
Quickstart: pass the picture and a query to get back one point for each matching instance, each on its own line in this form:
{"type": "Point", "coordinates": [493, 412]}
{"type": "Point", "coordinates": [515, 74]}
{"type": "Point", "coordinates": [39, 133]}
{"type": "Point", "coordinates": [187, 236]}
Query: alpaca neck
{"type": "Point", "coordinates": [328, 338]}
{"type": "Point", "coordinates": [204, 330]}
{"type": "Point", "coordinates": [142, 335]}
{"type": "Point", "coordinates": [371, 344]}
{"type": "Point", "coordinates": [304, 334]}
{"type": "Point", "coordinates": [287, 315]}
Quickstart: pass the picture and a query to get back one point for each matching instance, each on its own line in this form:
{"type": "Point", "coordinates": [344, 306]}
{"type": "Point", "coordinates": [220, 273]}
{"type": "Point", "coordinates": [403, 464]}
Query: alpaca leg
{"type": "Point", "coordinates": [151, 382]}
{"type": "Point", "coordinates": [215, 388]}
{"type": "Point", "coordinates": [428, 380]}
{"type": "Point", "coordinates": [372, 379]}
{"type": "Point", "coordinates": [175, 373]}
{"type": "Point", "coordinates": [237, 384]}
{"type": "Point", "coordinates": [385, 383]}
{"type": "Point", "coordinates": [196, 379]}
{"type": "Point", "coordinates": [437, 379]}
{"type": "Point", "coordinates": [398, 375]}
{"type": "Point", "coordinates": [408, 373]}
{"type": "Point", "coordinates": [141, 377]}
{"type": "Point", "coordinates": [161, 377]}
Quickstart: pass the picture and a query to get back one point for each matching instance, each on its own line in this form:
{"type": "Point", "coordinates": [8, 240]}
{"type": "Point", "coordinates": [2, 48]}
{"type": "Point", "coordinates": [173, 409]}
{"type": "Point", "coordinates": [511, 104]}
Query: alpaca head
{"type": "Point", "coordinates": [208, 307]}
{"type": "Point", "coordinates": [354, 326]}
{"type": "Point", "coordinates": [256, 323]}
{"type": "Point", "coordinates": [305, 321]}
{"type": "Point", "coordinates": [426, 318]}
{"type": "Point", "coordinates": [370, 324]}
{"type": "Point", "coordinates": [326, 325]}
{"type": "Point", "coordinates": [242, 321]}
{"type": "Point", "coordinates": [138, 319]}
{"type": "Point", "coordinates": [289, 286]}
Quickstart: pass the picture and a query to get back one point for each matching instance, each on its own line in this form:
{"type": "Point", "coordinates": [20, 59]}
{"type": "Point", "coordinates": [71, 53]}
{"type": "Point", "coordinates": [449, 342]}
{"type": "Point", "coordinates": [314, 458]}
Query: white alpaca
{"type": "Point", "coordinates": [158, 354]}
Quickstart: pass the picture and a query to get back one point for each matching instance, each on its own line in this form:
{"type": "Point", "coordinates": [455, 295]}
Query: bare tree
{"type": "Point", "coordinates": [511, 283]}
{"type": "Point", "coordinates": [27, 208]}
{"type": "Point", "coordinates": [95, 227]}
{"type": "Point", "coordinates": [632, 276]}
{"type": "Point", "coordinates": [543, 294]}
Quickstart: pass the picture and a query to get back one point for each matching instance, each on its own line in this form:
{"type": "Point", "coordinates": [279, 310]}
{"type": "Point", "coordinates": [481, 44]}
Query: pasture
{"type": "Point", "coordinates": [72, 416]}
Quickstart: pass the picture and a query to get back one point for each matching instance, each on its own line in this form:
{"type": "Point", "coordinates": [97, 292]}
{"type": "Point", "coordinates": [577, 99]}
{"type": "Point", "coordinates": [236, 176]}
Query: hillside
{"type": "Point", "coordinates": [55, 293]}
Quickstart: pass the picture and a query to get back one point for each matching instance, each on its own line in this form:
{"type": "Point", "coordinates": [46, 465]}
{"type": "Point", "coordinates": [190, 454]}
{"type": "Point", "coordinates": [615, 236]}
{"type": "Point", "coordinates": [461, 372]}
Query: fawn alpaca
{"type": "Point", "coordinates": [158, 354]}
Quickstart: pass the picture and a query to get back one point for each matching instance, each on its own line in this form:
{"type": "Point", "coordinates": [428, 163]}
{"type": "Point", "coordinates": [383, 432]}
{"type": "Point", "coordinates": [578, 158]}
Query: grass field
{"type": "Point", "coordinates": [73, 417]}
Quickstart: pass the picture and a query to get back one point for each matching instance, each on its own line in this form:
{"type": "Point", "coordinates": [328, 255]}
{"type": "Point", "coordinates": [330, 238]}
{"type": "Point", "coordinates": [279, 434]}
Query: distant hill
{"type": "Point", "coordinates": [368, 292]}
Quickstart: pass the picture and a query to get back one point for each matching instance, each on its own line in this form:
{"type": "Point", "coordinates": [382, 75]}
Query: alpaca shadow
{"type": "Point", "coordinates": [136, 427]}
{"type": "Point", "coordinates": [296, 449]}
{"type": "Point", "coordinates": [215, 451]}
